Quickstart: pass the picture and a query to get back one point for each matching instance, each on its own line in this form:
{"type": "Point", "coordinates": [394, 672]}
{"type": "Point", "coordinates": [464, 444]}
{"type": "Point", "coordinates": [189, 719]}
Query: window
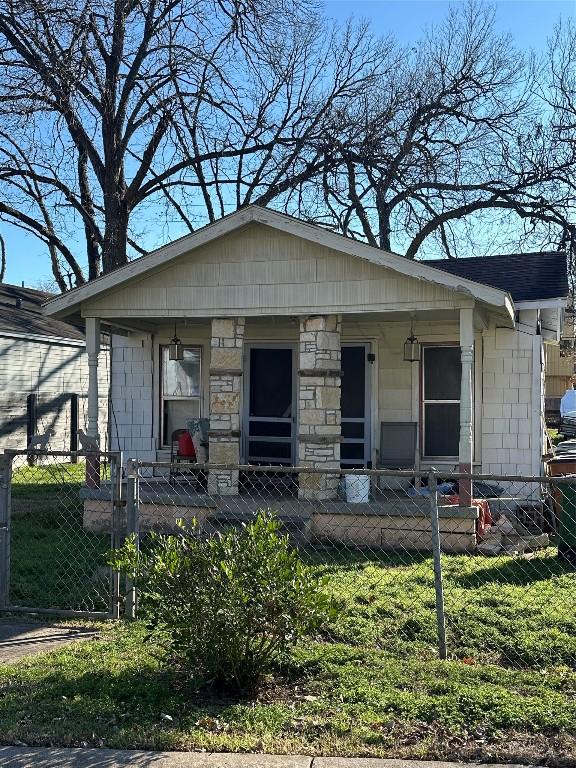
{"type": "Point", "coordinates": [181, 388]}
{"type": "Point", "coordinates": [441, 401]}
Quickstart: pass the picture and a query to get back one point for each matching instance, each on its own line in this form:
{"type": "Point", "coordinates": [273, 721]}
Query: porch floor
{"type": "Point", "coordinates": [282, 499]}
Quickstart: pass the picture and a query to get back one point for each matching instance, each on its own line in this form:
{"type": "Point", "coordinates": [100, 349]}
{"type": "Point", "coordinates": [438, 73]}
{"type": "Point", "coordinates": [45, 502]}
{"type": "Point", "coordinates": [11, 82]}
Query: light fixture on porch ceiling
{"type": "Point", "coordinates": [412, 346]}
{"type": "Point", "coordinates": [176, 349]}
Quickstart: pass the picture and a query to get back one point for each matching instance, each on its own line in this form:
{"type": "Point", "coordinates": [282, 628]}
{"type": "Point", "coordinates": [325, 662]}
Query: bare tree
{"type": "Point", "coordinates": [559, 94]}
{"type": "Point", "coordinates": [2, 259]}
{"type": "Point", "coordinates": [110, 109]}
{"type": "Point", "coordinates": [450, 153]}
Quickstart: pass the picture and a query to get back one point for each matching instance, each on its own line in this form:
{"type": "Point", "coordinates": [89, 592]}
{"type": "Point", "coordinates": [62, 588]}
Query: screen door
{"type": "Point", "coordinates": [355, 449]}
{"type": "Point", "coordinates": [269, 432]}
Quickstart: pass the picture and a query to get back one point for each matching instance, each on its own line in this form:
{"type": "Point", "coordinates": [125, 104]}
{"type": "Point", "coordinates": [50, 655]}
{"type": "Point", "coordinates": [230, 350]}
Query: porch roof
{"type": "Point", "coordinates": [73, 303]}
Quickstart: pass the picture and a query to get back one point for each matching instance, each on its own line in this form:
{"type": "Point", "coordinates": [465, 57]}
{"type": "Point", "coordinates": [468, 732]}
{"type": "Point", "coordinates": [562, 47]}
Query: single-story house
{"type": "Point", "coordinates": [43, 373]}
{"type": "Point", "coordinates": [295, 342]}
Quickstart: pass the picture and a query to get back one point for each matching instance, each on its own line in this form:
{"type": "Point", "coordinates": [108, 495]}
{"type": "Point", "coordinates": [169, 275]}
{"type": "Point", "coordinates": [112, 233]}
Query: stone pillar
{"type": "Point", "coordinates": [319, 414]}
{"type": "Point", "coordinates": [466, 447]}
{"type": "Point", "coordinates": [226, 355]}
{"type": "Point", "coordinates": [93, 351]}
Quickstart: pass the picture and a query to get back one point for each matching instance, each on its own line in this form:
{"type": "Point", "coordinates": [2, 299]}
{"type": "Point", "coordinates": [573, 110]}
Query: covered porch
{"type": "Point", "coordinates": [322, 390]}
{"type": "Point", "coordinates": [292, 342]}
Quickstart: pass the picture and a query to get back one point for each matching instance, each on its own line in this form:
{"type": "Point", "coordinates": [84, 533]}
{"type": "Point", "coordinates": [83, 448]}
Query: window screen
{"type": "Point", "coordinates": [441, 401]}
{"type": "Point", "coordinates": [271, 382]}
{"type": "Point", "coordinates": [181, 390]}
{"type": "Point", "coordinates": [442, 372]}
{"type": "Point", "coordinates": [353, 385]}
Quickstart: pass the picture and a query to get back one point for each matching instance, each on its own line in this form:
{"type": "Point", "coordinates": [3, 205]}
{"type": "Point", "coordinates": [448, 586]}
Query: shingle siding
{"type": "Point", "coordinates": [132, 397]}
{"type": "Point", "coordinates": [511, 443]}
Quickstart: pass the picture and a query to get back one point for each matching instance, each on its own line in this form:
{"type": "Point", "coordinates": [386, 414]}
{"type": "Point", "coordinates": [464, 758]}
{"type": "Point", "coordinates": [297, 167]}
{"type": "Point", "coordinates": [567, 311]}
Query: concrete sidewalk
{"type": "Point", "coordinates": [28, 638]}
{"type": "Point", "coordinates": [52, 757]}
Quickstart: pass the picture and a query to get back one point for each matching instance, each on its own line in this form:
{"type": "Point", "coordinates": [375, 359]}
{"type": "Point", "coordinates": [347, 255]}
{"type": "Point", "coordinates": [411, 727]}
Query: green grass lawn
{"type": "Point", "coordinates": [335, 698]}
{"type": "Point", "coordinates": [370, 685]}
{"type": "Point", "coordinates": [55, 563]}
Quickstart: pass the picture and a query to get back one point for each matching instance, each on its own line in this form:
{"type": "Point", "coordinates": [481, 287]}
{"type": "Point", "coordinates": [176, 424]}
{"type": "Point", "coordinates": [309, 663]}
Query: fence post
{"type": "Point", "coordinates": [438, 586]}
{"type": "Point", "coordinates": [116, 501]}
{"type": "Point", "coordinates": [132, 527]}
{"type": "Point", "coordinates": [5, 502]}
{"type": "Point", "coordinates": [31, 422]}
{"type": "Point", "coordinates": [74, 427]}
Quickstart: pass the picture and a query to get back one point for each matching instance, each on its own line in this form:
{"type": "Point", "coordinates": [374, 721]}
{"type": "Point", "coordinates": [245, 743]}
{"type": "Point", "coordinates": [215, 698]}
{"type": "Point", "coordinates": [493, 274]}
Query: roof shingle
{"type": "Point", "coordinates": [21, 312]}
{"type": "Point", "coordinates": [525, 276]}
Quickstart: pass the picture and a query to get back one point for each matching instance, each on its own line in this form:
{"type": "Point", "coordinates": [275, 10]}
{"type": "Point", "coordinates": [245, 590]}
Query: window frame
{"type": "Point", "coordinates": [164, 439]}
{"type": "Point", "coordinates": [425, 401]}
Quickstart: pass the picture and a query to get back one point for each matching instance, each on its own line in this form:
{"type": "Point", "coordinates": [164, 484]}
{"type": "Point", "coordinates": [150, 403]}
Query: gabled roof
{"type": "Point", "coordinates": [525, 276]}
{"type": "Point", "coordinates": [69, 303]}
{"type": "Point", "coordinates": [21, 314]}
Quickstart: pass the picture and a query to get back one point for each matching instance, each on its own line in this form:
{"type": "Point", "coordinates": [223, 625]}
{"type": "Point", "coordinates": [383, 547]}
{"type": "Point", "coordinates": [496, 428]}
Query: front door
{"type": "Point", "coordinates": [269, 418]}
{"type": "Point", "coordinates": [355, 449]}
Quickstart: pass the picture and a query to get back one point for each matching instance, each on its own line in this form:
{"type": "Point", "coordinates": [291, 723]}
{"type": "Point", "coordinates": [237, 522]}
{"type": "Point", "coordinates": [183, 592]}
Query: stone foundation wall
{"type": "Point", "coordinates": [319, 414]}
{"type": "Point", "coordinates": [153, 517]}
{"type": "Point", "coordinates": [226, 357]}
{"type": "Point", "coordinates": [395, 533]}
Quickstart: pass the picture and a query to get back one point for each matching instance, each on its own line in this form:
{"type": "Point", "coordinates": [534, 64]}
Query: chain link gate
{"type": "Point", "coordinates": [60, 516]}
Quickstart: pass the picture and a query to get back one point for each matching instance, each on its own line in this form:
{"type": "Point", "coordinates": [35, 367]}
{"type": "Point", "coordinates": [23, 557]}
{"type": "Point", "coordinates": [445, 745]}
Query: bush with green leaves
{"type": "Point", "coordinates": [227, 607]}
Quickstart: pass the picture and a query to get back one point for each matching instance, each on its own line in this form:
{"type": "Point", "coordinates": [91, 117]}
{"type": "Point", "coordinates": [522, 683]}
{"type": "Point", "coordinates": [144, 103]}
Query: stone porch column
{"type": "Point", "coordinates": [466, 447]}
{"type": "Point", "coordinates": [226, 354]}
{"type": "Point", "coordinates": [319, 414]}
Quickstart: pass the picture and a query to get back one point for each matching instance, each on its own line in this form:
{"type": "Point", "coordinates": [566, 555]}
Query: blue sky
{"type": "Point", "coordinates": [530, 21]}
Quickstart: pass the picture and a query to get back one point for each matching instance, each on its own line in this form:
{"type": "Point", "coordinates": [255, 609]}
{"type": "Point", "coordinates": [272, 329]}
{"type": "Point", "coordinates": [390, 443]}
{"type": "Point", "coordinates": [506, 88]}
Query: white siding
{"type": "Point", "coordinates": [261, 271]}
{"type": "Point", "coordinates": [512, 394]}
{"type": "Point", "coordinates": [132, 397]}
{"type": "Point", "coordinates": [508, 386]}
{"type": "Point", "coordinates": [52, 371]}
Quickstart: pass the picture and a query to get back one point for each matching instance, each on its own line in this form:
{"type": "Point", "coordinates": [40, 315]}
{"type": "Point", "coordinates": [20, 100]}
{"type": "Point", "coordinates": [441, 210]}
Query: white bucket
{"type": "Point", "coordinates": [357, 488]}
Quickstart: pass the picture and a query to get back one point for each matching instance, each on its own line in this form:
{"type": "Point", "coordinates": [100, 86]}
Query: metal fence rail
{"type": "Point", "coordinates": [51, 561]}
{"type": "Point", "coordinates": [412, 570]}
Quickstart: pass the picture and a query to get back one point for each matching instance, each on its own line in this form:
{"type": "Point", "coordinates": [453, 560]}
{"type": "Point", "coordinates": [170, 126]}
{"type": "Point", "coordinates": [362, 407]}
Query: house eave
{"type": "Point", "coordinates": [41, 339]}
{"type": "Point", "coordinates": [63, 306]}
{"type": "Point", "coordinates": [559, 302]}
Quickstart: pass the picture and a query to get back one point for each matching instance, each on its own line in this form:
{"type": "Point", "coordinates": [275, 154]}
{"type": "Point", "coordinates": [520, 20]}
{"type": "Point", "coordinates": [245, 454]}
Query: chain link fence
{"type": "Point", "coordinates": [50, 560]}
{"type": "Point", "coordinates": [413, 571]}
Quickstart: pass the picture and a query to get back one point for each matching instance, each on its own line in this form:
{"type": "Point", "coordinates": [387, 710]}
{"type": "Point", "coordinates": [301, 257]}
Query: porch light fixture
{"type": "Point", "coordinates": [412, 346]}
{"type": "Point", "coordinates": [176, 349]}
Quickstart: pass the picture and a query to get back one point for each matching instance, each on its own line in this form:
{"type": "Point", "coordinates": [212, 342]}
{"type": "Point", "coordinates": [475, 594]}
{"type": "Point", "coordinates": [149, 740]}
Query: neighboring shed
{"type": "Point", "coordinates": [43, 372]}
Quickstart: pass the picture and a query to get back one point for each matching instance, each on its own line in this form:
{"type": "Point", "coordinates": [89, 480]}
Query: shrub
{"type": "Point", "coordinates": [227, 607]}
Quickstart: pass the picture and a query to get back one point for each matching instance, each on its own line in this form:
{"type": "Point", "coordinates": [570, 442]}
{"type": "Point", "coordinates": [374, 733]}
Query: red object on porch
{"type": "Point", "coordinates": [186, 446]}
{"type": "Point", "coordinates": [484, 514]}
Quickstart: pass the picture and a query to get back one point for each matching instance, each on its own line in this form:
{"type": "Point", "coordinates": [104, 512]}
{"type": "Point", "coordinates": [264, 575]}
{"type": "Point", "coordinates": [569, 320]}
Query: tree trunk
{"type": "Point", "coordinates": [384, 228]}
{"type": "Point", "coordinates": [115, 245]}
